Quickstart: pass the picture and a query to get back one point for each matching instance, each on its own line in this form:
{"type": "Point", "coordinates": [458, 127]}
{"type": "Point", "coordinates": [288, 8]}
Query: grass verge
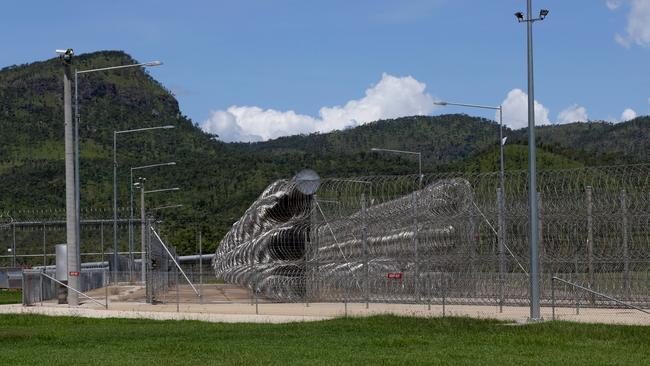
{"type": "Point", "coordinates": [385, 340]}
{"type": "Point", "coordinates": [10, 297]}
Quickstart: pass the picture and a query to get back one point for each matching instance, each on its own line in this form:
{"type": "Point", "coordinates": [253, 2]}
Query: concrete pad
{"type": "Point", "coordinates": [231, 303]}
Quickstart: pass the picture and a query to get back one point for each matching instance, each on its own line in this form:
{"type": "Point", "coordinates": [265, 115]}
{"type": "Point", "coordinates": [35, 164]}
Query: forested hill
{"type": "Point", "coordinates": [218, 181]}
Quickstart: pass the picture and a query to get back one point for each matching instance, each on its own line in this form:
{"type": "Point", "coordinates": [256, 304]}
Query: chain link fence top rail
{"type": "Point", "coordinates": [412, 239]}
{"type": "Point", "coordinates": [31, 243]}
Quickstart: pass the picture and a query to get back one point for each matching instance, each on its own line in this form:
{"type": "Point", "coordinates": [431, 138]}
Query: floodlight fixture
{"type": "Point", "coordinates": [65, 55]}
{"type": "Point", "coordinates": [543, 14]}
{"type": "Point", "coordinates": [521, 18]}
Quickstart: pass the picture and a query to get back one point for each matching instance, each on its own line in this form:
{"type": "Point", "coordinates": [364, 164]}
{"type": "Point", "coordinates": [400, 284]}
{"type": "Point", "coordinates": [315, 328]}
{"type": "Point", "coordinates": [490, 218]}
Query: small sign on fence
{"type": "Point", "coordinates": [74, 274]}
{"type": "Point", "coordinates": [395, 276]}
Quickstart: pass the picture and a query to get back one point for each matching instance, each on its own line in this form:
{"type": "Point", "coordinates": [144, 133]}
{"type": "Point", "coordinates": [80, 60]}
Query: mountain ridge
{"type": "Point", "coordinates": [219, 180]}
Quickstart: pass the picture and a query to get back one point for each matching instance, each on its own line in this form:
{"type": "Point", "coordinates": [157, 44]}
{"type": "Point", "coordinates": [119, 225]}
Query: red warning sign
{"type": "Point", "coordinates": [395, 275]}
{"type": "Point", "coordinates": [74, 274]}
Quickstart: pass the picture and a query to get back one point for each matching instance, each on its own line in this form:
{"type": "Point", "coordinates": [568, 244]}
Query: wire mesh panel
{"type": "Point", "coordinates": [41, 285]}
{"type": "Point", "coordinates": [29, 242]}
{"type": "Point", "coordinates": [162, 270]}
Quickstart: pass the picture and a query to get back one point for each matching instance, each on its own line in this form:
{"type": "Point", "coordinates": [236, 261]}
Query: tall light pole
{"type": "Point", "coordinates": [131, 233]}
{"type": "Point", "coordinates": [502, 192]}
{"type": "Point", "coordinates": [143, 231]}
{"type": "Point", "coordinates": [115, 133]}
{"type": "Point", "coordinates": [419, 155]}
{"type": "Point", "coordinates": [532, 166]}
{"type": "Point", "coordinates": [76, 140]}
{"type": "Point", "coordinates": [143, 218]}
{"type": "Point", "coordinates": [70, 194]}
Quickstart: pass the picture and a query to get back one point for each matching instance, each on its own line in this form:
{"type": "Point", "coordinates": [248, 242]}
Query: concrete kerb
{"type": "Point", "coordinates": [154, 315]}
{"type": "Point", "coordinates": [298, 312]}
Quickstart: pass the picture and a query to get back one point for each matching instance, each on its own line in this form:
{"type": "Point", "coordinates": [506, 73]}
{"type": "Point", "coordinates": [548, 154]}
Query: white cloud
{"type": "Point", "coordinates": [392, 97]}
{"type": "Point", "coordinates": [515, 110]}
{"type": "Point", "coordinates": [628, 114]}
{"type": "Point", "coordinates": [637, 30]}
{"type": "Point", "coordinates": [573, 113]}
{"type": "Point", "coordinates": [224, 123]}
{"type": "Point", "coordinates": [613, 4]}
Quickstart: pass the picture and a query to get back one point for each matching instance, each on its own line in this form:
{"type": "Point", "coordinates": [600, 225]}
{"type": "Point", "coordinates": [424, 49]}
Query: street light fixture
{"type": "Point", "coordinates": [115, 133]}
{"type": "Point", "coordinates": [532, 166]}
{"type": "Point", "coordinates": [165, 207]}
{"type": "Point", "coordinates": [419, 154]}
{"type": "Point", "coordinates": [163, 190]}
{"type": "Point", "coordinates": [502, 140]}
{"type": "Point", "coordinates": [78, 120]}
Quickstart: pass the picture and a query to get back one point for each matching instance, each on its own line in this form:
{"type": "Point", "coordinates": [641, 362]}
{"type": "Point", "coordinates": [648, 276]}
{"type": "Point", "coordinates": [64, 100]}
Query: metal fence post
{"type": "Point", "coordinates": [553, 296]}
{"type": "Point", "coordinates": [364, 241]}
{"type": "Point", "coordinates": [44, 249]}
{"type": "Point", "coordinates": [590, 241]}
{"type": "Point", "coordinates": [575, 289]}
{"type": "Point", "coordinates": [13, 246]}
{"type": "Point", "coordinates": [305, 283]}
{"type": "Point", "coordinates": [146, 257]}
{"type": "Point", "coordinates": [106, 282]}
{"type": "Point", "coordinates": [540, 240]}
{"type": "Point", "coordinates": [105, 274]}
{"type": "Point", "coordinates": [145, 232]}
{"type": "Point", "coordinates": [41, 283]}
{"type": "Point", "coordinates": [626, 254]}
{"type": "Point", "coordinates": [428, 293]}
{"type": "Point", "coordinates": [416, 244]}
{"type": "Point", "coordinates": [257, 310]}
{"type": "Point", "coordinates": [472, 247]}
{"type": "Point", "coordinates": [315, 243]}
{"type": "Point", "coordinates": [178, 294]}
{"type": "Point", "coordinates": [576, 270]}
{"type": "Point", "coordinates": [444, 297]}
{"type": "Point", "coordinates": [23, 294]}
{"type": "Point", "coordinates": [502, 257]}
{"type": "Point", "coordinates": [200, 268]}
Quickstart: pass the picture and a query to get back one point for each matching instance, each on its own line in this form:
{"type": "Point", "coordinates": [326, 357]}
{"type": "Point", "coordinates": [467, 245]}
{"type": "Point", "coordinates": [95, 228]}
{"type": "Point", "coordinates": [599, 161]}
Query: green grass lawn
{"type": "Point", "coordinates": [379, 340]}
{"type": "Point", "coordinates": [10, 297]}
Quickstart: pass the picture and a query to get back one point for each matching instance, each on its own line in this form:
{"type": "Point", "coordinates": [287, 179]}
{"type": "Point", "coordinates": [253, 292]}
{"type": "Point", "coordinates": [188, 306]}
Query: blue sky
{"type": "Point", "coordinates": [239, 67]}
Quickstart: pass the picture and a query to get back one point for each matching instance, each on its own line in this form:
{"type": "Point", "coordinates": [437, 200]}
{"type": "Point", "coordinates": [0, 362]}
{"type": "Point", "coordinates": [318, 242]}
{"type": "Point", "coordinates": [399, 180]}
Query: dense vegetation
{"type": "Point", "coordinates": [379, 340]}
{"type": "Point", "coordinates": [220, 180]}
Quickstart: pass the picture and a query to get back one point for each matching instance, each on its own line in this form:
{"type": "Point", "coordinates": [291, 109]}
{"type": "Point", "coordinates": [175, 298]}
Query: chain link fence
{"type": "Point", "coordinates": [441, 240]}
{"type": "Point", "coordinates": [457, 238]}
